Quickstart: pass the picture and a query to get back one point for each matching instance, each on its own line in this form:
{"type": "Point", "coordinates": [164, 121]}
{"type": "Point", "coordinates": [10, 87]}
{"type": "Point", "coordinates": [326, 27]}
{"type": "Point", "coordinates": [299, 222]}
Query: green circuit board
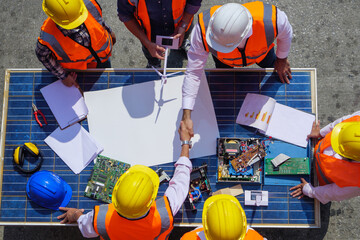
{"type": "Point", "coordinates": [293, 166]}
{"type": "Point", "coordinates": [104, 176]}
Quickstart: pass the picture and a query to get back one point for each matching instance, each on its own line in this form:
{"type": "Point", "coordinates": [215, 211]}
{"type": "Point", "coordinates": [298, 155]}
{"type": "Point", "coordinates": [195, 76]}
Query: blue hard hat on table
{"type": "Point", "coordinates": [48, 190]}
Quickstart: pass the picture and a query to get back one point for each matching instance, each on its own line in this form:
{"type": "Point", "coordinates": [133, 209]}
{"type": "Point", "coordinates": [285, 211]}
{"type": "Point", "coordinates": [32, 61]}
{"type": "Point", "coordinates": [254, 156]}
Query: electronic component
{"type": "Point", "coordinates": [293, 166]}
{"type": "Point", "coordinates": [162, 175]}
{"type": "Point", "coordinates": [239, 159]}
{"type": "Point", "coordinates": [279, 159]}
{"type": "Point", "coordinates": [104, 176]}
{"type": "Point", "coordinates": [256, 198]}
{"type": "Point", "coordinates": [199, 183]}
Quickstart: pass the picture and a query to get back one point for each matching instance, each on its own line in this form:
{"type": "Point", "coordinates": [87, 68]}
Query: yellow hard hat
{"type": "Point", "coordinates": [224, 218]}
{"type": "Point", "coordinates": [135, 191]}
{"type": "Point", "coordinates": [345, 140]}
{"type": "Point", "coordinates": [68, 14]}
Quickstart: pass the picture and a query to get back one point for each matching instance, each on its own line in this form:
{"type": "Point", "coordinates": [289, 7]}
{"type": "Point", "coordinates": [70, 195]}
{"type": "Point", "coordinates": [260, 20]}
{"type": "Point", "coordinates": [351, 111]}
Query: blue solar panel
{"type": "Point", "coordinates": [228, 90]}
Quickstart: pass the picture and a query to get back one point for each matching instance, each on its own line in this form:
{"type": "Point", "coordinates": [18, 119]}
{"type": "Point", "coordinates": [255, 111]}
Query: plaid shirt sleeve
{"type": "Point", "coordinates": [48, 59]}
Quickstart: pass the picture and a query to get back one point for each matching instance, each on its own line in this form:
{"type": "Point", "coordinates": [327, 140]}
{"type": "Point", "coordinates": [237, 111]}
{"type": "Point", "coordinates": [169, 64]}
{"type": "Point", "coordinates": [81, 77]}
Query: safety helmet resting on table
{"type": "Point", "coordinates": [68, 14]}
{"type": "Point", "coordinates": [48, 190]}
{"type": "Point", "coordinates": [228, 26]}
{"type": "Point", "coordinates": [345, 140]}
{"type": "Point", "coordinates": [223, 218]}
{"type": "Point", "coordinates": [135, 191]}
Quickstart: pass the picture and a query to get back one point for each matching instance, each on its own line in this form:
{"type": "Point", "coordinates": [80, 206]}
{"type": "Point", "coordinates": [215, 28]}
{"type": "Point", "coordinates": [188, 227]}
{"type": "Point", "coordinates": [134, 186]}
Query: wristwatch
{"type": "Point", "coordinates": [184, 25]}
{"type": "Point", "coordinates": [186, 142]}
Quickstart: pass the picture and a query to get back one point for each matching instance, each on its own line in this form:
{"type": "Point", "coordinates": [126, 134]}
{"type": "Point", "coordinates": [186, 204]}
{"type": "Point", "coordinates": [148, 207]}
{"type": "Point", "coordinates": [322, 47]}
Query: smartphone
{"type": "Point", "coordinates": [167, 42]}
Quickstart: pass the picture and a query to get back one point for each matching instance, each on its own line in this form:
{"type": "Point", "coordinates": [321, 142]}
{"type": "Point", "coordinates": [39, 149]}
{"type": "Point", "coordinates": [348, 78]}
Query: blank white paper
{"type": "Point", "coordinates": [66, 103]}
{"type": "Point", "coordinates": [138, 124]}
{"type": "Point", "coordinates": [75, 146]}
{"type": "Point", "coordinates": [290, 125]}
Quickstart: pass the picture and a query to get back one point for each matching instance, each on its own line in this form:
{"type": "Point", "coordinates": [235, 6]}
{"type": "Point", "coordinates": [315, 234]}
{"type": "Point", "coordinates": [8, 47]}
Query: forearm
{"type": "Point", "coordinates": [186, 19]}
{"type": "Point", "coordinates": [328, 128]}
{"type": "Point", "coordinates": [284, 36]}
{"type": "Point", "coordinates": [85, 225]}
{"type": "Point", "coordinates": [179, 184]}
{"type": "Point", "coordinates": [134, 27]}
{"type": "Point", "coordinates": [330, 192]}
{"type": "Point", "coordinates": [47, 58]}
{"type": "Point", "coordinates": [197, 57]}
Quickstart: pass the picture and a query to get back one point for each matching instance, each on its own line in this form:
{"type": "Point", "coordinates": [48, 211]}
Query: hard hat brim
{"type": "Point", "coordinates": [215, 45]}
{"type": "Point", "coordinates": [335, 138]}
{"type": "Point", "coordinates": [67, 197]}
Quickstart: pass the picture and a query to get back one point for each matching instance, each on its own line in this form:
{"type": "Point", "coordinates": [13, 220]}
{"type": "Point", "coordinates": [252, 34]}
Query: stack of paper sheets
{"type": "Point", "coordinates": [75, 146]}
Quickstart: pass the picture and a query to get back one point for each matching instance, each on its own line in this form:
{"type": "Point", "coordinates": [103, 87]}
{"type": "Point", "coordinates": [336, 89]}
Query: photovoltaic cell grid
{"type": "Point", "coordinates": [228, 90]}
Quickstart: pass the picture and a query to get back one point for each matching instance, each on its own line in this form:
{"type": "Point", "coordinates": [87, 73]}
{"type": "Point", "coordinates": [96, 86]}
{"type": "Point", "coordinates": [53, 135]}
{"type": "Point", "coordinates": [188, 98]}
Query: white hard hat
{"type": "Point", "coordinates": [228, 26]}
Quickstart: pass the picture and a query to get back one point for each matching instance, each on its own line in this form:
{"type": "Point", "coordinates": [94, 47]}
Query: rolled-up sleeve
{"type": "Point", "coordinates": [86, 226]}
{"type": "Point", "coordinates": [179, 184]}
{"type": "Point", "coordinates": [197, 57]}
{"type": "Point", "coordinates": [330, 192]}
{"type": "Point", "coordinates": [284, 35]}
{"type": "Point", "coordinates": [192, 6]}
{"type": "Point", "coordinates": [125, 10]}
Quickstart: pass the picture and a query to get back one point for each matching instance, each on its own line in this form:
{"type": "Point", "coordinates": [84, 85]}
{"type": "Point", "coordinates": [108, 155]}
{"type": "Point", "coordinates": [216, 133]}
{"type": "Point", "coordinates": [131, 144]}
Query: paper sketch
{"type": "Point", "coordinates": [138, 123]}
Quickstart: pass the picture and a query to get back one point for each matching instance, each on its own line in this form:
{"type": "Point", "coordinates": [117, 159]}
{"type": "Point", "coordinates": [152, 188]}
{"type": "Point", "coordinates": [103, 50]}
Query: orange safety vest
{"type": "Point", "coordinates": [261, 41]}
{"type": "Point", "coordinates": [142, 15]}
{"type": "Point", "coordinates": [329, 169]}
{"type": "Point", "coordinates": [157, 224]}
{"type": "Point", "coordinates": [69, 53]}
{"type": "Point", "coordinates": [196, 234]}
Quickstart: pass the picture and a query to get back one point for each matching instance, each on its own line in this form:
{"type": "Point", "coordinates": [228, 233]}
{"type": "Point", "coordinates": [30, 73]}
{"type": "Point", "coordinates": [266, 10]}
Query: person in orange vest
{"type": "Point", "coordinates": [74, 37]}
{"type": "Point", "coordinates": [223, 218]}
{"type": "Point", "coordinates": [337, 161]}
{"type": "Point", "coordinates": [134, 213]}
{"type": "Point", "coordinates": [148, 18]}
{"type": "Point", "coordinates": [237, 35]}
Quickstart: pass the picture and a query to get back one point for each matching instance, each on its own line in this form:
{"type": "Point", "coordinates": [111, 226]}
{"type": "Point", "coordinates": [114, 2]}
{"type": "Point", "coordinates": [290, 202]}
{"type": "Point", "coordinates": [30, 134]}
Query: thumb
{"type": "Point", "coordinates": [303, 180]}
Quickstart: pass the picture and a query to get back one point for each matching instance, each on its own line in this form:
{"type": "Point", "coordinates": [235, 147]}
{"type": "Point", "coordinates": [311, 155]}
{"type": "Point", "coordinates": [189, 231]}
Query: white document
{"type": "Point", "coordinates": [66, 103]}
{"type": "Point", "coordinates": [276, 120]}
{"type": "Point", "coordinates": [74, 146]}
{"type": "Point", "coordinates": [256, 111]}
{"type": "Point", "coordinates": [138, 124]}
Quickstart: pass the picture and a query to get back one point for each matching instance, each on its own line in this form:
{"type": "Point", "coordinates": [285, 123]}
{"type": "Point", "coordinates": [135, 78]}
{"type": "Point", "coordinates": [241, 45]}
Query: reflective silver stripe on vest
{"type": "Point", "coordinates": [268, 25]}
{"type": "Point", "coordinates": [94, 11]}
{"type": "Point", "coordinates": [206, 20]}
{"type": "Point", "coordinates": [134, 2]}
{"type": "Point", "coordinates": [317, 159]}
{"type": "Point", "coordinates": [164, 216]}
{"type": "Point", "coordinates": [60, 51]}
{"type": "Point", "coordinates": [100, 223]}
{"type": "Point", "coordinates": [55, 44]}
{"type": "Point", "coordinates": [178, 19]}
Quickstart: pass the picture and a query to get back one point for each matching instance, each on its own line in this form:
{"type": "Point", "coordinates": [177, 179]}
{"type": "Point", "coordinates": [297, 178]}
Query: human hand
{"type": "Point", "coordinates": [70, 80]}
{"type": "Point", "coordinates": [179, 33]}
{"type": "Point", "coordinates": [186, 118]}
{"type": "Point", "coordinates": [183, 132]}
{"type": "Point", "coordinates": [113, 37]}
{"type": "Point", "coordinates": [315, 131]}
{"type": "Point", "coordinates": [156, 50]}
{"type": "Point", "coordinates": [71, 215]}
{"type": "Point", "coordinates": [298, 189]}
{"type": "Point", "coordinates": [282, 67]}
